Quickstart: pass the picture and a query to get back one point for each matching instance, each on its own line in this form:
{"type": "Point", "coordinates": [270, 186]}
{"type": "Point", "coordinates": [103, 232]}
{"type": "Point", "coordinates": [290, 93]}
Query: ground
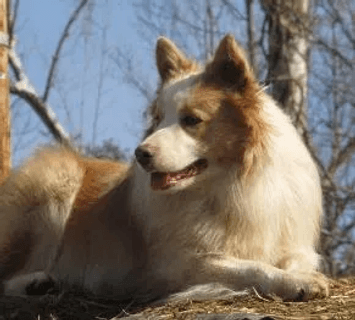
{"type": "Point", "coordinates": [67, 305]}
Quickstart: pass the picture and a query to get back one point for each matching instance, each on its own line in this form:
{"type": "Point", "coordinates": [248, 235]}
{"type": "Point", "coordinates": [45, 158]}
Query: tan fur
{"type": "Point", "coordinates": [37, 201]}
{"type": "Point", "coordinates": [171, 62]}
{"type": "Point", "coordinates": [249, 219]}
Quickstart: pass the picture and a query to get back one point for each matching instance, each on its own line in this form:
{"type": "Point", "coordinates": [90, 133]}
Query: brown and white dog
{"type": "Point", "coordinates": [222, 196]}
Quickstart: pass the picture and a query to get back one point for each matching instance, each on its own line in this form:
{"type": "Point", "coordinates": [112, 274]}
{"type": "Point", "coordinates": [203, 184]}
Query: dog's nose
{"type": "Point", "coordinates": [144, 157]}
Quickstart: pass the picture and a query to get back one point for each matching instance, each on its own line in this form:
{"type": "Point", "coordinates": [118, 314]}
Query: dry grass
{"type": "Point", "coordinates": [339, 305]}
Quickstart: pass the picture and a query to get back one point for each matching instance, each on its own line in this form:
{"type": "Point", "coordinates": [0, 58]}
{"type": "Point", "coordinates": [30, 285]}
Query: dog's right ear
{"type": "Point", "coordinates": [171, 62]}
{"type": "Point", "coordinates": [230, 66]}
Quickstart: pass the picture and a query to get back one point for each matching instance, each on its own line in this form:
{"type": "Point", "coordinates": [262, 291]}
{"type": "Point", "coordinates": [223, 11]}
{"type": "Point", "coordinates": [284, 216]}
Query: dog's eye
{"type": "Point", "coordinates": [190, 121]}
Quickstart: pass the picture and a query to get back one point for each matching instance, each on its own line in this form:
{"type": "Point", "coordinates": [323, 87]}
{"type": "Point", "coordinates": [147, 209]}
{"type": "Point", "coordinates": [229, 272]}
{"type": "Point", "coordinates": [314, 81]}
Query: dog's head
{"type": "Point", "coordinates": [204, 119]}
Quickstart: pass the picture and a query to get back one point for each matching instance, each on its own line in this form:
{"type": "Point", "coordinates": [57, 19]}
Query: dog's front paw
{"type": "Point", "coordinates": [37, 283]}
{"type": "Point", "coordinates": [40, 286]}
{"type": "Point", "coordinates": [302, 286]}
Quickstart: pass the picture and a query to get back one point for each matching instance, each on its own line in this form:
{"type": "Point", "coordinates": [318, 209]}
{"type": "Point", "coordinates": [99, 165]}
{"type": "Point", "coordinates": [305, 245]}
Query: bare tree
{"type": "Point", "coordinates": [107, 150]}
{"type": "Point", "coordinates": [332, 88]}
{"type": "Point", "coordinates": [287, 22]}
{"type": "Point", "coordinates": [21, 85]}
{"type": "Point", "coordinates": [252, 45]}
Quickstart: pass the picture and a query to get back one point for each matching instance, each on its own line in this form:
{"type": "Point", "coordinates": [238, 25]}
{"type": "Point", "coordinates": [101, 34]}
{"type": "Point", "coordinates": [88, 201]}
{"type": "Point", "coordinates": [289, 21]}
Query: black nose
{"type": "Point", "coordinates": [144, 157]}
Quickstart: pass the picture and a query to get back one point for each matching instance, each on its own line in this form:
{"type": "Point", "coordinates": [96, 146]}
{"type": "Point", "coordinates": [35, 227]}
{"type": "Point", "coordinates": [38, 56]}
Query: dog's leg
{"type": "Point", "coordinates": [35, 203]}
{"type": "Point", "coordinates": [238, 275]}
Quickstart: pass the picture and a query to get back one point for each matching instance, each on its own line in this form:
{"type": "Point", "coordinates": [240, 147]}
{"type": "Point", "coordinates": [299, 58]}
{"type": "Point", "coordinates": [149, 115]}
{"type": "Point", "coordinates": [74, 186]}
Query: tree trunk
{"type": "Point", "coordinates": [252, 45]}
{"type": "Point", "coordinates": [288, 56]}
{"type": "Point", "coordinates": [5, 146]}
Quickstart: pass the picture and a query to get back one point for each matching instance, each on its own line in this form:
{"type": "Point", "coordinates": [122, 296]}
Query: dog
{"type": "Point", "coordinates": [222, 196]}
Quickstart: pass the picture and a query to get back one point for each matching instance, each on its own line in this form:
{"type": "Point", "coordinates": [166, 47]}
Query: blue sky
{"type": "Point", "coordinates": [39, 26]}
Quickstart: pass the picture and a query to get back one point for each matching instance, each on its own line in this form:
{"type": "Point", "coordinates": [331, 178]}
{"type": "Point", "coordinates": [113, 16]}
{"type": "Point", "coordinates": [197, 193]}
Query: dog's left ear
{"type": "Point", "coordinates": [229, 66]}
{"type": "Point", "coordinates": [170, 60]}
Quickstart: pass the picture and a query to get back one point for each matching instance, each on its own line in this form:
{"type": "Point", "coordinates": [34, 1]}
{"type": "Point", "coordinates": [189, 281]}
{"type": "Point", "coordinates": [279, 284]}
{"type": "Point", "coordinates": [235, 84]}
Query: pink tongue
{"type": "Point", "coordinates": [162, 181]}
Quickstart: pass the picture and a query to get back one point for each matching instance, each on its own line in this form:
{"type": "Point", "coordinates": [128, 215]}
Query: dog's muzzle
{"type": "Point", "coordinates": [165, 180]}
{"type": "Point", "coordinates": [144, 157]}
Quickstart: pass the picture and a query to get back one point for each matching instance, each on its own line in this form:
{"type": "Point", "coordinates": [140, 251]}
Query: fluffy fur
{"type": "Point", "coordinates": [222, 196]}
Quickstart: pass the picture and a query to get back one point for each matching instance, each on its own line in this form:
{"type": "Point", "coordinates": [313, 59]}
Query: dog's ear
{"type": "Point", "coordinates": [170, 60]}
{"type": "Point", "coordinates": [230, 66]}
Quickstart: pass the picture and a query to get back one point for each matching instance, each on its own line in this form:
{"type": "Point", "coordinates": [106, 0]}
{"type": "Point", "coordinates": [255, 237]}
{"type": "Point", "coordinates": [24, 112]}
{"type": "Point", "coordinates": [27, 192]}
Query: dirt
{"type": "Point", "coordinates": [339, 305]}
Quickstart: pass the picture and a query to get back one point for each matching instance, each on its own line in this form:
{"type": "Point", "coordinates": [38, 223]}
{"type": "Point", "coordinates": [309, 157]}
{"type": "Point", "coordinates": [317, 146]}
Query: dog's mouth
{"type": "Point", "coordinates": [165, 180]}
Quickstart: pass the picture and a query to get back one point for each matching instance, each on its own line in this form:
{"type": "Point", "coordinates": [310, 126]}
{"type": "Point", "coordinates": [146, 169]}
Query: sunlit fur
{"type": "Point", "coordinates": [250, 219]}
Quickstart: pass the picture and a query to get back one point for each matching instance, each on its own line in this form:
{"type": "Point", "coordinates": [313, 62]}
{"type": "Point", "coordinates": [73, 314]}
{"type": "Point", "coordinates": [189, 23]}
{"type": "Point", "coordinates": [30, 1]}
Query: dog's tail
{"type": "Point", "coordinates": [35, 203]}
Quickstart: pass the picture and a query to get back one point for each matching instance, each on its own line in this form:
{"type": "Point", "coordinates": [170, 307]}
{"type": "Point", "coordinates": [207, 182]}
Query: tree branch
{"type": "Point", "coordinates": [124, 62]}
{"type": "Point", "coordinates": [234, 10]}
{"type": "Point", "coordinates": [24, 89]}
{"type": "Point", "coordinates": [342, 157]}
{"type": "Point", "coordinates": [62, 39]}
{"type": "Point", "coordinates": [12, 20]}
{"type": "Point", "coordinates": [334, 51]}
{"type": "Point", "coordinates": [251, 35]}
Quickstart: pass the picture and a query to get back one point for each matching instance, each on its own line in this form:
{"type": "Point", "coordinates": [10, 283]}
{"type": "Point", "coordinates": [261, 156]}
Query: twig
{"type": "Point", "coordinates": [62, 39]}
{"type": "Point", "coordinates": [234, 10]}
{"type": "Point", "coordinates": [123, 311]}
{"type": "Point", "coordinates": [336, 52]}
{"type": "Point", "coordinates": [95, 304]}
{"type": "Point", "coordinates": [349, 292]}
{"type": "Point", "coordinates": [100, 86]}
{"type": "Point", "coordinates": [344, 155]}
{"type": "Point", "coordinates": [259, 296]}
